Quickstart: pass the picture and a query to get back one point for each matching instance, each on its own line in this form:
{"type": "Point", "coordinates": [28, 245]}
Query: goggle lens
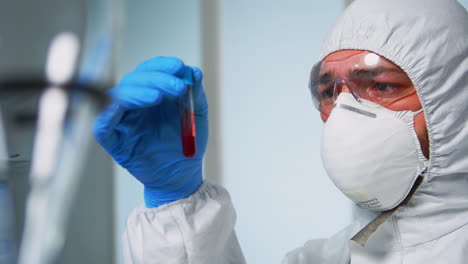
{"type": "Point", "coordinates": [366, 76]}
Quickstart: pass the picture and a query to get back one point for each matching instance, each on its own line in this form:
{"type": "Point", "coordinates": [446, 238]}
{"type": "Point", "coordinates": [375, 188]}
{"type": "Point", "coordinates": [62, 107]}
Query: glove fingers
{"type": "Point", "coordinates": [105, 121]}
{"type": "Point", "coordinates": [197, 75]}
{"type": "Point", "coordinates": [199, 97]}
{"type": "Point", "coordinates": [157, 80]}
{"type": "Point", "coordinates": [132, 96]}
{"type": "Point", "coordinates": [169, 65]}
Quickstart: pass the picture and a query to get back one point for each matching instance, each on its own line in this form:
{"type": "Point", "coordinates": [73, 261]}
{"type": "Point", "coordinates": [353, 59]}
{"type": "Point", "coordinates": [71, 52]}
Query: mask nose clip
{"type": "Point", "coordinates": [343, 85]}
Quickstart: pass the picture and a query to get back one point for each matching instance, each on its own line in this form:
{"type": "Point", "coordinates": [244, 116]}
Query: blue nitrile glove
{"type": "Point", "coordinates": [141, 129]}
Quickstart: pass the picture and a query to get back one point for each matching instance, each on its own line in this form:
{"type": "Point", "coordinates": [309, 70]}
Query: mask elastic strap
{"type": "Point", "coordinates": [417, 112]}
{"type": "Point", "coordinates": [362, 236]}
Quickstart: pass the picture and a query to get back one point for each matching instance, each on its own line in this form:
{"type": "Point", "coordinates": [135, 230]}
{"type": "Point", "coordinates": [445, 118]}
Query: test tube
{"type": "Point", "coordinates": [187, 118]}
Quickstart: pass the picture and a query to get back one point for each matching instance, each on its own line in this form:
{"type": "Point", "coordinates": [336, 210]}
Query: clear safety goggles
{"type": "Point", "coordinates": [365, 75]}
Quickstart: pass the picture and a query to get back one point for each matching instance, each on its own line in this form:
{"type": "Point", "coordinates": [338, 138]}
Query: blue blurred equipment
{"type": "Point", "coordinates": [141, 128]}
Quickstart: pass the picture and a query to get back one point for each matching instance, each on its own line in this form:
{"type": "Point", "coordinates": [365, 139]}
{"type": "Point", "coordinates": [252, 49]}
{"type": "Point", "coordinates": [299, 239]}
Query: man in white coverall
{"type": "Point", "coordinates": [392, 89]}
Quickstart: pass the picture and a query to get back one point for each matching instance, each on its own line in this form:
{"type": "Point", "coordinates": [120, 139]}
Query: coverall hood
{"type": "Point", "coordinates": [428, 39]}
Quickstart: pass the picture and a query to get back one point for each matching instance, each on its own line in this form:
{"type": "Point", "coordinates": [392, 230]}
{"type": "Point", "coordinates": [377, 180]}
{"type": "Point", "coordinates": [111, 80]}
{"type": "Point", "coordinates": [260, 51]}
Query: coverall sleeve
{"type": "Point", "coordinates": [333, 250]}
{"type": "Point", "coordinates": [196, 230]}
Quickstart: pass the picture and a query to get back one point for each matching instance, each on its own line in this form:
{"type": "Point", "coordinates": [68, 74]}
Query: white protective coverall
{"type": "Point", "coordinates": [428, 39]}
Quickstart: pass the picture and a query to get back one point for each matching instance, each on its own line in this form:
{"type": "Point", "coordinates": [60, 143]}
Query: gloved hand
{"type": "Point", "coordinates": [141, 129]}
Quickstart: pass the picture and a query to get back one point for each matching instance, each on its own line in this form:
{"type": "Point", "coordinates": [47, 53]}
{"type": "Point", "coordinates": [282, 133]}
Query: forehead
{"type": "Point", "coordinates": [346, 60]}
{"type": "Point", "coordinates": [342, 55]}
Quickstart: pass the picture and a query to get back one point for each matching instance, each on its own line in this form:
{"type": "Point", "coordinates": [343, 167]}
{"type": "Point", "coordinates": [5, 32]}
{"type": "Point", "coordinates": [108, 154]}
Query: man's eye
{"type": "Point", "coordinates": [383, 87]}
{"type": "Point", "coordinates": [327, 93]}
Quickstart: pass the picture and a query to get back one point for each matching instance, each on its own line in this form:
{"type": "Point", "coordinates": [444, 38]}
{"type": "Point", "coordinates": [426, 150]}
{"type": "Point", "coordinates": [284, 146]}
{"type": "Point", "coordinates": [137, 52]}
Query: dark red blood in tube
{"type": "Point", "coordinates": [188, 133]}
{"type": "Point", "coordinates": [187, 124]}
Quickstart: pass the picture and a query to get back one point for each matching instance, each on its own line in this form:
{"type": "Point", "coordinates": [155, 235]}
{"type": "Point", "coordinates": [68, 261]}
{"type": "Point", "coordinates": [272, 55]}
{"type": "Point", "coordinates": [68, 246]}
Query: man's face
{"type": "Point", "coordinates": [339, 62]}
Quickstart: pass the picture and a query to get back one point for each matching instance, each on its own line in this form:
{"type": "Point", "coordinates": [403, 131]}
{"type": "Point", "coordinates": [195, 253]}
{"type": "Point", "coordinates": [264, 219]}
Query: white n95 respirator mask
{"type": "Point", "coordinates": [372, 154]}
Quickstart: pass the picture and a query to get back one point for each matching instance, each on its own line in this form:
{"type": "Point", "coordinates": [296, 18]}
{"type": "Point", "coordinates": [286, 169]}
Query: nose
{"type": "Point", "coordinates": [345, 88]}
{"type": "Point", "coordinates": [341, 86]}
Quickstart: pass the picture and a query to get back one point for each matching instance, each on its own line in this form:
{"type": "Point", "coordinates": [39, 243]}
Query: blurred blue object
{"type": "Point", "coordinates": [7, 243]}
{"type": "Point", "coordinates": [57, 60]}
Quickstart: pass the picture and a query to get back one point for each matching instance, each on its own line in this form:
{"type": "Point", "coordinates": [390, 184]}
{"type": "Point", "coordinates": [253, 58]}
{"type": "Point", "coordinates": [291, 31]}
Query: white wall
{"type": "Point", "coordinates": [464, 3]}
{"type": "Point", "coordinates": [269, 131]}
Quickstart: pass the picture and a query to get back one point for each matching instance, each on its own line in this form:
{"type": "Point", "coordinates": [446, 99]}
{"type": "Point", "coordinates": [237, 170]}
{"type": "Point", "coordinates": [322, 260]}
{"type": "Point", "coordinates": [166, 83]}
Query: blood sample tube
{"type": "Point", "coordinates": [187, 118]}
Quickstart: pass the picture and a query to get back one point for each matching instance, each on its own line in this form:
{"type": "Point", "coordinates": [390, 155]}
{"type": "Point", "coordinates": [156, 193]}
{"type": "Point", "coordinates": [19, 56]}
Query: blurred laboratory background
{"type": "Point", "coordinates": [264, 144]}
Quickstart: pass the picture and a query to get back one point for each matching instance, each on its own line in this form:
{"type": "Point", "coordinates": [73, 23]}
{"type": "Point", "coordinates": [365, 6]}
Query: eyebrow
{"type": "Point", "coordinates": [327, 77]}
{"type": "Point", "coordinates": [368, 73]}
